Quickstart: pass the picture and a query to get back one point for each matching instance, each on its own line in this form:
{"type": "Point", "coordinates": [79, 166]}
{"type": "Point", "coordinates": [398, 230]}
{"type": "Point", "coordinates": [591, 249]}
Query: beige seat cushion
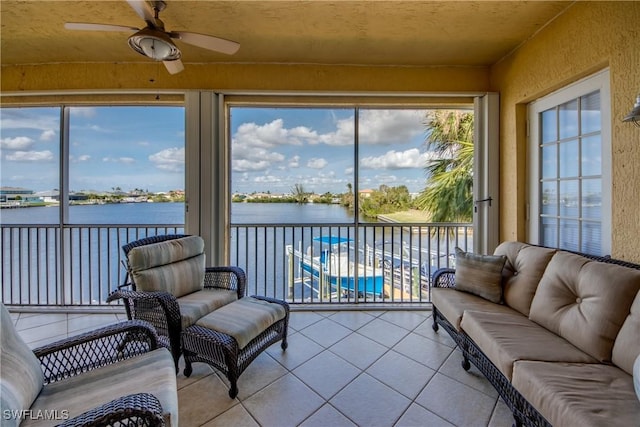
{"type": "Point", "coordinates": [198, 304]}
{"type": "Point", "coordinates": [452, 304]}
{"type": "Point", "coordinates": [627, 345]}
{"type": "Point", "coordinates": [584, 301]}
{"type": "Point", "coordinates": [22, 377]}
{"type": "Point", "coordinates": [522, 272]}
{"type": "Point", "coordinates": [176, 266]}
{"type": "Point", "coordinates": [244, 319]}
{"type": "Point", "coordinates": [508, 337]}
{"type": "Point", "coordinates": [575, 394]}
{"type": "Point", "coordinates": [152, 372]}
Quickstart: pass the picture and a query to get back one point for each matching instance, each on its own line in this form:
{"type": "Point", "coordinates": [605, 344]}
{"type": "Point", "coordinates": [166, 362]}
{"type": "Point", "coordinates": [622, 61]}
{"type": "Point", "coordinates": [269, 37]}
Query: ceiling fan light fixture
{"type": "Point", "coordinates": [155, 45]}
{"type": "Point", "coordinates": [634, 114]}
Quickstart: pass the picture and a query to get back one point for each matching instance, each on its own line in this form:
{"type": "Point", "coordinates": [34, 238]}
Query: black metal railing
{"type": "Point", "coordinates": [76, 265]}
{"type": "Point", "coordinates": [344, 263]}
{"type": "Point", "coordinates": [80, 264]}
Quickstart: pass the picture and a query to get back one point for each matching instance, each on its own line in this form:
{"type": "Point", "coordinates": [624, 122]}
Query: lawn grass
{"type": "Point", "coordinates": [412, 215]}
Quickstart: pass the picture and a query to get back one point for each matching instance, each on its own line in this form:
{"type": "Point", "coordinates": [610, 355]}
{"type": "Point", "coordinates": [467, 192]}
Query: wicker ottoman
{"type": "Point", "coordinates": [233, 335]}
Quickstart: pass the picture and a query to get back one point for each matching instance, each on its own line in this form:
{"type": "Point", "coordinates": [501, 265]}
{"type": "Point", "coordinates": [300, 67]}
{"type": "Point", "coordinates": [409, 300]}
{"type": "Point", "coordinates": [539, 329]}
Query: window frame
{"type": "Point", "coordinates": [599, 81]}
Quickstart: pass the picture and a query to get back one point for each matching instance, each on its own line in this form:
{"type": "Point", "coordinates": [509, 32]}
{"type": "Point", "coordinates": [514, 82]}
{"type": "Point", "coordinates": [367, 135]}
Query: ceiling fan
{"type": "Point", "coordinates": [154, 42]}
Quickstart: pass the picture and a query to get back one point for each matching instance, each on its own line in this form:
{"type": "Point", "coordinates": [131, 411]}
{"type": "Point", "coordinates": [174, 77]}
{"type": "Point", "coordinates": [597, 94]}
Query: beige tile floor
{"type": "Point", "coordinates": [342, 368]}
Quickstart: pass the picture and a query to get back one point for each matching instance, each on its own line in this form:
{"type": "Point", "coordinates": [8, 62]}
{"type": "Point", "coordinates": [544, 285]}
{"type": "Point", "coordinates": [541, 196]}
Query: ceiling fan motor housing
{"type": "Point", "coordinates": [154, 44]}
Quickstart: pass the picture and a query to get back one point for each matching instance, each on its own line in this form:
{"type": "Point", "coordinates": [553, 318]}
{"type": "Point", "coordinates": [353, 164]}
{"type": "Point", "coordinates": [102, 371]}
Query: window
{"type": "Point", "coordinates": [75, 184]}
{"type": "Point", "coordinates": [570, 158]}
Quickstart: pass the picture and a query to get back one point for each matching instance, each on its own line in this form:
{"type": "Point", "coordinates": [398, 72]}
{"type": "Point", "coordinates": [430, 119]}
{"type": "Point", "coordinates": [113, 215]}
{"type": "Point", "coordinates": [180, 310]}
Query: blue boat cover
{"type": "Point", "coordinates": [332, 240]}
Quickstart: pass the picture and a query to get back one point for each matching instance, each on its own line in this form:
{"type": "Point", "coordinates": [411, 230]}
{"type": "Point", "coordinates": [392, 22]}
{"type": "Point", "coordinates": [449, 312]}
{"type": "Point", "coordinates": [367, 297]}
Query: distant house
{"type": "Point", "coordinates": [18, 196]}
{"type": "Point", "coordinates": [366, 193]}
{"type": "Point", "coordinates": [52, 196]}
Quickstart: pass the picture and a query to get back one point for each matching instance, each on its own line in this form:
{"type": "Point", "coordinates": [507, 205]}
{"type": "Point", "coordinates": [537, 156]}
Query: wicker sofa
{"type": "Point", "coordinates": [114, 376]}
{"type": "Point", "coordinates": [555, 332]}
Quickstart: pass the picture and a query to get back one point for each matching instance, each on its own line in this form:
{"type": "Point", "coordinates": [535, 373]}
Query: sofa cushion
{"type": "Point", "coordinates": [522, 272]}
{"type": "Point", "coordinates": [200, 303]}
{"type": "Point", "coordinates": [244, 319]}
{"type": "Point", "coordinates": [22, 377]}
{"type": "Point", "coordinates": [585, 302]}
{"type": "Point", "coordinates": [575, 394]}
{"type": "Point", "coordinates": [480, 275]}
{"type": "Point", "coordinates": [176, 266]}
{"type": "Point", "coordinates": [452, 304]}
{"type": "Point", "coordinates": [500, 337]}
{"type": "Point", "coordinates": [626, 348]}
{"type": "Point", "coordinates": [152, 372]}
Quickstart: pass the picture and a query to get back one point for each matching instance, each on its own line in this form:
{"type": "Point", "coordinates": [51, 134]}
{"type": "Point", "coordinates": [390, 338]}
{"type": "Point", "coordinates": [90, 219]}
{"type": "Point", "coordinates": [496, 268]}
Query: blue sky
{"type": "Point", "coordinates": [273, 149]}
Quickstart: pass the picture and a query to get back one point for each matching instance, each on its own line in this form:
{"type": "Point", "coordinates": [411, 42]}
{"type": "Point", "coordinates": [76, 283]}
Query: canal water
{"type": "Point", "coordinates": [260, 250]}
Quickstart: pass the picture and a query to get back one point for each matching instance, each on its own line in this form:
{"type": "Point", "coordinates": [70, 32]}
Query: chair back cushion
{"type": "Point", "coordinates": [176, 266]}
{"type": "Point", "coordinates": [585, 301]}
{"type": "Point", "coordinates": [21, 378]}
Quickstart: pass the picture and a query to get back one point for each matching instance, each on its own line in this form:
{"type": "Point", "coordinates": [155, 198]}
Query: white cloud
{"type": "Point", "coordinates": [244, 165]}
{"type": "Point", "coordinates": [47, 135]}
{"type": "Point", "coordinates": [388, 127]}
{"type": "Point", "coordinates": [170, 159]}
{"type": "Point", "coordinates": [30, 156]}
{"type": "Point", "coordinates": [81, 158]}
{"type": "Point", "coordinates": [269, 179]}
{"type": "Point", "coordinates": [294, 162]}
{"type": "Point", "coordinates": [316, 163]}
{"type": "Point", "coordinates": [17, 143]}
{"type": "Point", "coordinates": [257, 143]}
{"type": "Point", "coordinates": [26, 119]}
{"type": "Point", "coordinates": [247, 157]}
{"type": "Point", "coordinates": [126, 160]}
{"type": "Point", "coordinates": [83, 111]}
{"type": "Point", "coordinates": [409, 159]}
{"type": "Point", "coordinates": [343, 135]}
{"type": "Point", "coordinates": [270, 135]}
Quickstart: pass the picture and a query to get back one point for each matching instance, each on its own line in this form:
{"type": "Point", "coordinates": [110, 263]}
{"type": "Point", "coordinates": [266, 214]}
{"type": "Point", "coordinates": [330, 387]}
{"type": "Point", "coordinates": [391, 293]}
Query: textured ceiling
{"type": "Point", "coordinates": [419, 33]}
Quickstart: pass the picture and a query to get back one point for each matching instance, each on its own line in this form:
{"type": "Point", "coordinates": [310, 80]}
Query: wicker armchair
{"type": "Point", "coordinates": [168, 286]}
{"type": "Point", "coordinates": [72, 380]}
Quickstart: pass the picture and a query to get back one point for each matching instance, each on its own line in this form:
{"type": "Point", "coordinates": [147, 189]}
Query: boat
{"type": "Point", "coordinates": [334, 263]}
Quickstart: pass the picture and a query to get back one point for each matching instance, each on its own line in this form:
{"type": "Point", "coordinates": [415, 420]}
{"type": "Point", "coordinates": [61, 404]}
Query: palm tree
{"type": "Point", "coordinates": [448, 194]}
{"type": "Point", "coordinates": [299, 194]}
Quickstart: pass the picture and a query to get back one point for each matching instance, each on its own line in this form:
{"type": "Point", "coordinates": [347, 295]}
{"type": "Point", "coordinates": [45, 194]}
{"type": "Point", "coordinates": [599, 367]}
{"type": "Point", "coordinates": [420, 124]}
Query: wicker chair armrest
{"type": "Point", "coordinates": [93, 349]}
{"type": "Point", "coordinates": [444, 278]}
{"type": "Point", "coordinates": [142, 409]}
{"type": "Point", "coordinates": [161, 297]}
{"type": "Point", "coordinates": [161, 309]}
{"type": "Point", "coordinates": [226, 277]}
{"type": "Point", "coordinates": [166, 301]}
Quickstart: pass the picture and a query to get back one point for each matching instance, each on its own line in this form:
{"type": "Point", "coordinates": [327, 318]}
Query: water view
{"type": "Point", "coordinates": [173, 213]}
{"type": "Point", "coordinates": [301, 253]}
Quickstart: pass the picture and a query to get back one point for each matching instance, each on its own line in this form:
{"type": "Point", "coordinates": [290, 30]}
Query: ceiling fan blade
{"type": "Point", "coordinates": [97, 27]}
{"type": "Point", "coordinates": [173, 67]}
{"type": "Point", "coordinates": [144, 10]}
{"type": "Point", "coordinates": [207, 42]}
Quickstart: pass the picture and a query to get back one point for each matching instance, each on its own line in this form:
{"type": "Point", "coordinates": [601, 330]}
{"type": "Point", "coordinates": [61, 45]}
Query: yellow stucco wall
{"type": "Point", "coordinates": [588, 37]}
{"type": "Point", "coordinates": [245, 77]}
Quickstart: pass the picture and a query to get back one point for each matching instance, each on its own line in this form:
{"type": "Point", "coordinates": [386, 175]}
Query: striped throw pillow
{"type": "Point", "coordinates": [480, 275]}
